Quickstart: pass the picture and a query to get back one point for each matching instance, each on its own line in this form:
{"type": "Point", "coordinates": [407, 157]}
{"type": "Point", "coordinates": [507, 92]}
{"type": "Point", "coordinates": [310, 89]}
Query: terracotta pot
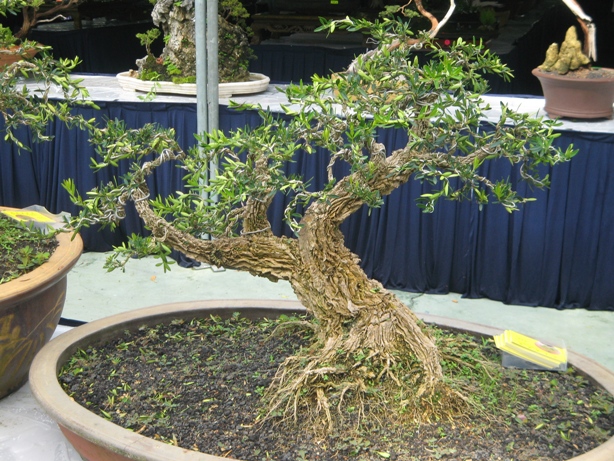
{"type": "Point", "coordinates": [14, 56]}
{"type": "Point", "coordinates": [577, 97]}
{"type": "Point", "coordinates": [97, 439]}
{"type": "Point", "coordinates": [30, 309]}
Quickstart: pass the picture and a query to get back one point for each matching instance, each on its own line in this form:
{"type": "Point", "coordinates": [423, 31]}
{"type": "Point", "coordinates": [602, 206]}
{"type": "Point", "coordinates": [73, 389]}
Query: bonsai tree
{"type": "Point", "coordinates": [24, 249]}
{"type": "Point", "coordinates": [370, 349]}
{"type": "Point", "coordinates": [18, 105]}
{"type": "Point", "coordinates": [33, 15]}
{"type": "Point", "coordinates": [177, 62]}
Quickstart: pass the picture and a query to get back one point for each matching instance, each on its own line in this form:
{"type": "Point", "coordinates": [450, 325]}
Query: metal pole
{"type": "Point", "coordinates": [211, 37]}
{"type": "Point", "coordinates": [202, 118]}
{"type": "Point", "coordinates": [211, 24]}
{"type": "Point", "coordinates": [207, 92]}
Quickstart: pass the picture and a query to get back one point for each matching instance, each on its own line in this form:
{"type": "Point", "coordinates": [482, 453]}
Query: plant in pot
{"type": "Point", "coordinates": [33, 269]}
{"type": "Point", "coordinates": [174, 70]}
{"type": "Point", "coordinates": [572, 86]}
{"type": "Point", "coordinates": [31, 304]}
{"type": "Point", "coordinates": [14, 45]}
{"type": "Point", "coordinates": [21, 107]}
{"type": "Point", "coordinates": [367, 359]}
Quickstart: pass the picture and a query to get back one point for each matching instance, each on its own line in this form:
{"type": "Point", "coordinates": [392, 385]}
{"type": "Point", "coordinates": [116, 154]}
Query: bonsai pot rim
{"type": "Point", "coordinates": [91, 432]}
{"type": "Point", "coordinates": [16, 53]}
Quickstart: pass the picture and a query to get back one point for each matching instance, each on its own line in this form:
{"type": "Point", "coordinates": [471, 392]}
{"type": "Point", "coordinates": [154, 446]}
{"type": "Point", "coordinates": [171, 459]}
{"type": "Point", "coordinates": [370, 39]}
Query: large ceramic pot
{"type": "Point", "coordinates": [569, 96]}
{"type": "Point", "coordinates": [97, 439]}
{"type": "Point", "coordinates": [30, 309]}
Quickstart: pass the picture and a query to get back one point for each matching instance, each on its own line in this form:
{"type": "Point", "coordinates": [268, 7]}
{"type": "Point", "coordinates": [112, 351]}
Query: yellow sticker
{"type": "Point", "coordinates": [23, 215]}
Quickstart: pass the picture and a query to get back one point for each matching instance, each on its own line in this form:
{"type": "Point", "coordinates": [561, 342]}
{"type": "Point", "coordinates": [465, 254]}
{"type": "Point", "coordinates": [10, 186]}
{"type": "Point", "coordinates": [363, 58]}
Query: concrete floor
{"type": "Point", "coordinates": [27, 434]}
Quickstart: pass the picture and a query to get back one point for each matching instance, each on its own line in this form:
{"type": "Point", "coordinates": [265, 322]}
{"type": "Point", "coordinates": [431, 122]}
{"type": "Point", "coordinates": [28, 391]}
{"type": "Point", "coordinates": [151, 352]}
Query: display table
{"type": "Point", "coordinates": [557, 251]}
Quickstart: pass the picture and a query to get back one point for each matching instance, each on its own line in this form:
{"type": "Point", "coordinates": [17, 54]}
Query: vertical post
{"type": "Point", "coordinates": [207, 93]}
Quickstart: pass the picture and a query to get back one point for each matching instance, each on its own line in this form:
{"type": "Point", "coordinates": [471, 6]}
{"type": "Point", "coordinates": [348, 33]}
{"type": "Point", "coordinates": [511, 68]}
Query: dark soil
{"type": "Point", "coordinates": [21, 250]}
{"type": "Point", "coordinates": [198, 385]}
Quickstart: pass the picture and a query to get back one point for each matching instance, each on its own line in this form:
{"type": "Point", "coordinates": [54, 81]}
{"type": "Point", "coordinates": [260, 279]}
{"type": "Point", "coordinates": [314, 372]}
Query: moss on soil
{"type": "Point", "coordinates": [21, 250]}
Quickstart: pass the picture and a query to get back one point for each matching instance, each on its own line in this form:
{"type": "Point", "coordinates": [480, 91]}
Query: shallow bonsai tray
{"type": "Point", "coordinates": [256, 84]}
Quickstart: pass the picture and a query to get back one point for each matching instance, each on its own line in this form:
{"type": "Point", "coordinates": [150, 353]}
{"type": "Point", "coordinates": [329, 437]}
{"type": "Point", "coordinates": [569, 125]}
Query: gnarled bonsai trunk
{"type": "Point", "coordinates": [355, 310]}
{"type": "Point", "coordinates": [366, 337]}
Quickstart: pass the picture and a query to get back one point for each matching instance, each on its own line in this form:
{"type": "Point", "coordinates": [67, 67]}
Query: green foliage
{"type": "Point", "coordinates": [406, 83]}
{"type": "Point", "coordinates": [14, 6]}
{"type": "Point", "coordinates": [146, 39]}
{"type": "Point", "coordinates": [6, 37]}
{"type": "Point", "coordinates": [22, 107]}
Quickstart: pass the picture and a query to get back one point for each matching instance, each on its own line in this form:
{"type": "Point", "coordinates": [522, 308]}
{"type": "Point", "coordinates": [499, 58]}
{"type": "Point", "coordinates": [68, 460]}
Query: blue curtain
{"type": "Point", "coordinates": [557, 251]}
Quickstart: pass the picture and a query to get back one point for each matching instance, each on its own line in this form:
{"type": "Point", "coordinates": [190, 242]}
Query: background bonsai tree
{"type": "Point", "coordinates": [370, 350]}
{"type": "Point", "coordinates": [21, 107]}
{"type": "Point", "coordinates": [177, 62]}
{"type": "Point", "coordinates": [33, 13]}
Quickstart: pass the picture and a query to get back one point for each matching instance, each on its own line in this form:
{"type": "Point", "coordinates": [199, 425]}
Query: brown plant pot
{"type": "Point", "coordinates": [573, 97]}
{"type": "Point", "coordinates": [97, 439]}
{"type": "Point", "coordinates": [30, 309]}
{"type": "Point", "coordinates": [13, 55]}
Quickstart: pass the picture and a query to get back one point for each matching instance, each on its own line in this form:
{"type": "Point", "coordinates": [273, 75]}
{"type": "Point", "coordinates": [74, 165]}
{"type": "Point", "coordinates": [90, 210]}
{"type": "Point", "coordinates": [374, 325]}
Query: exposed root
{"type": "Point", "coordinates": [328, 384]}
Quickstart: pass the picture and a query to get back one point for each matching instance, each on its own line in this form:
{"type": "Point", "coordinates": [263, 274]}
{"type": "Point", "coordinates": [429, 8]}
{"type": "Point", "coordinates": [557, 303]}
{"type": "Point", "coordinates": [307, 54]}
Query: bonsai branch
{"type": "Point", "coordinates": [436, 26]}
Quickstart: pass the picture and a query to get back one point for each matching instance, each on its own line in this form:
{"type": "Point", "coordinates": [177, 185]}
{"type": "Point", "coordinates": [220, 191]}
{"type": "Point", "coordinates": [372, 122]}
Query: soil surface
{"type": "Point", "coordinates": [21, 250]}
{"type": "Point", "coordinates": [588, 73]}
{"type": "Point", "coordinates": [198, 384]}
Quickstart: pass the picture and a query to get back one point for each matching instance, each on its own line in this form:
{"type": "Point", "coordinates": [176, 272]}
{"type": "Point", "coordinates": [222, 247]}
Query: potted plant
{"type": "Point", "coordinates": [13, 49]}
{"type": "Point", "coordinates": [572, 86]}
{"type": "Point", "coordinates": [20, 107]}
{"type": "Point", "coordinates": [369, 354]}
{"type": "Point", "coordinates": [14, 45]}
{"type": "Point", "coordinates": [32, 292]}
{"type": "Point", "coordinates": [31, 304]}
{"type": "Point", "coordinates": [174, 71]}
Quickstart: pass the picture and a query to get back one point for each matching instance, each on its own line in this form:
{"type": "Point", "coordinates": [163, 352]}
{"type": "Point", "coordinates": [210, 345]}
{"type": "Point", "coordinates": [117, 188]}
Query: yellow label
{"type": "Point", "coordinates": [24, 215]}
